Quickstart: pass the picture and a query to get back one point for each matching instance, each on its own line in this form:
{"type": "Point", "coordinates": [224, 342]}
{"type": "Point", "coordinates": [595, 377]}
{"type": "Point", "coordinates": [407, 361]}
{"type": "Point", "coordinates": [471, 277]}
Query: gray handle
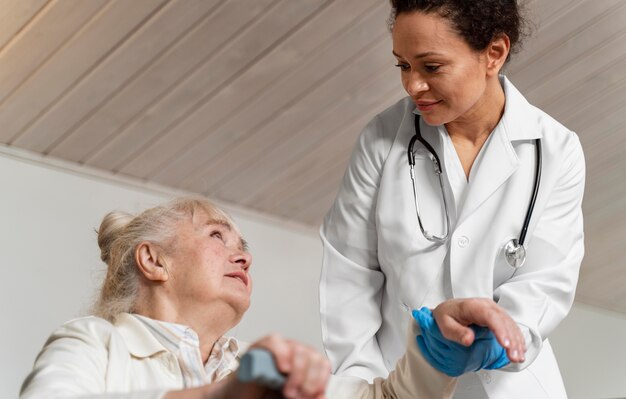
{"type": "Point", "coordinates": [258, 366]}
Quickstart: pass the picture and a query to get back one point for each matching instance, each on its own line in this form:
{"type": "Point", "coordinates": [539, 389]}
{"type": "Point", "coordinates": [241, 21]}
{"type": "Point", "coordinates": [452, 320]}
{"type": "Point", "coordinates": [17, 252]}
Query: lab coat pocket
{"type": "Point", "coordinates": [502, 271]}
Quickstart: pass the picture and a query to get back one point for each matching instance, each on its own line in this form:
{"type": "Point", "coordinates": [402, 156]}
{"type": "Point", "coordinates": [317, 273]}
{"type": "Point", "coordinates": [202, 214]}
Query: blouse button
{"type": "Point", "coordinates": [170, 363]}
{"type": "Point", "coordinates": [463, 241]}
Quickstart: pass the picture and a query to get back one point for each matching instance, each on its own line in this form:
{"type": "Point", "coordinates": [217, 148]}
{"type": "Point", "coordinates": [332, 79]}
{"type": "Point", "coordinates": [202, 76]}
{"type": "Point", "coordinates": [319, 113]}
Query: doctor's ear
{"type": "Point", "coordinates": [497, 52]}
{"type": "Point", "coordinates": [150, 262]}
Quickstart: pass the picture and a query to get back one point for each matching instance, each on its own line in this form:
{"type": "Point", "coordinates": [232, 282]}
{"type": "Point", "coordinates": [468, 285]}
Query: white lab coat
{"type": "Point", "coordinates": [377, 264]}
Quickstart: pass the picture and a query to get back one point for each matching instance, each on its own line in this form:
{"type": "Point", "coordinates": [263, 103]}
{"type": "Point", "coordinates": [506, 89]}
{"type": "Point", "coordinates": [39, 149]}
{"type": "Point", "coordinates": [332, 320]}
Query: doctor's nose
{"type": "Point", "coordinates": [415, 84]}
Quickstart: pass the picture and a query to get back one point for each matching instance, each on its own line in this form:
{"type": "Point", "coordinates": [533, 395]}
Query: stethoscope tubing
{"type": "Point", "coordinates": [516, 247]}
{"type": "Point", "coordinates": [533, 198]}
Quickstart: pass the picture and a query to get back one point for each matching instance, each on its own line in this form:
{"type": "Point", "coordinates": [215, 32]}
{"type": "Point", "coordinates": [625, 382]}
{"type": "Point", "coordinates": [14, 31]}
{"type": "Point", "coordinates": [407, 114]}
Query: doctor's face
{"type": "Point", "coordinates": [444, 76]}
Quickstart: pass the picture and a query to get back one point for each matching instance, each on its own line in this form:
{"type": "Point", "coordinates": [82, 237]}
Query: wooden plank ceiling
{"type": "Point", "coordinates": [259, 102]}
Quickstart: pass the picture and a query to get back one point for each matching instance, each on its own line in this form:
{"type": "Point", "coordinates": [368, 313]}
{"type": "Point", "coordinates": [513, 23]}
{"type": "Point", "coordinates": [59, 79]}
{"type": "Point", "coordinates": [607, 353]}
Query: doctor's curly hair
{"type": "Point", "coordinates": [477, 21]}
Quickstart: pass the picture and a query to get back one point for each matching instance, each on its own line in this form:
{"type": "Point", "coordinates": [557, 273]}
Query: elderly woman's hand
{"type": "Point", "coordinates": [307, 374]}
{"type": "Point", "coordinates": [307, 371]}
{"type": "Point", "coordinates": [454, 317]}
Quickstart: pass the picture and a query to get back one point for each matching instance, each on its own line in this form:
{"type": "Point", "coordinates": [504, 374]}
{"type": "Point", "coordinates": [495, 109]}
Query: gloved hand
{"type": "Point", "coordinates": [452, 358]}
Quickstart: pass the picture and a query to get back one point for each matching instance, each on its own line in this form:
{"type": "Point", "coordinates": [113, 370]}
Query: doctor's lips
{"type": "Point", "coordinates": [239, 275]}
{"type": "Point", "coordinates": [426, 105]}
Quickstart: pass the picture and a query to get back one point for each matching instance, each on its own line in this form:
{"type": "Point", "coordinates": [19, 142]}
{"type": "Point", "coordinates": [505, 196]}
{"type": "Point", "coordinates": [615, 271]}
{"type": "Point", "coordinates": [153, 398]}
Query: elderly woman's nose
{"type": "Point", "coordinates": [242, 258]}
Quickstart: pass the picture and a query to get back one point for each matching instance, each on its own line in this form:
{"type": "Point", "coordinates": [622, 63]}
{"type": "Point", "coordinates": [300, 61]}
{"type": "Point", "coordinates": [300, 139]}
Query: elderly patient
{"type": "Point", "coordinates": [177, 281]}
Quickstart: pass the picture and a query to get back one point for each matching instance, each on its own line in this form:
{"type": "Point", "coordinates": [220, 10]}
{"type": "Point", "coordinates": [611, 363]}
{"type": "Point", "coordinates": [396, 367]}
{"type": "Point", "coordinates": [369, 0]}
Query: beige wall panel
{"type": "Point", "coordinates": [222, 27]}
{"type": "Point", "coordinates": [610, 216]}
{"type": "Point", "coordinates": [286, 57]}
{"type": "Point", "coordinates": [304, 141]}
{"type": "Point", "coordinates": [40, 39]}
{"type": "Point", "coordinates": [71, 63]}
{"type": "Point", "coordinates": [298, 172]}
{"type": "Point", "coordinates": [14, 15]}
{"type": "Point", "coordinates": [599, 105]}
{"type": "Point", "coordinates": [312, 203]}
{"type": "Point", "coordinates": [604, 255]}
{"type": "Point", "coordinates": [242, 40]}
{"type": "Point", "coordinates": [543, 12]}
{"type": "Point", "coordinates": [606, 126]}
{"type": "Point", "coordinates": [314, 216]}
{"type": "Point", "coordinates": [603, 191]}
{"type": "Point", "coordinates": [593, 63]}
{"type": "Point", "coordinates": [600, 252]}
{"type": "Point", "coordinates": [573, 46]}
{"type": "Point", "coordinates": [552, 30]}
{"type": "Point", "coordinates": [585, 93]}
{"type": "Point", "coordinates": [353, 74]}
{"type": "Point", "coordinates": [606, 134]}
{"type": "Point", "coordinates": [261, 110]}
{"type": "Point", "coordinates": [162, 27]}
{"type": "Point", "coordinates": [319, 178]}
{"type": "Point", "coordinates": [339, 130]}
{"type": "Point", "coordinates": [168, 68]}
{"type": "Point", "coordinates": [610, 158]}
{"type": "Point", "coordinates": [265, 35]}
{"type": "Point", "coordinates": [607, 287]}
{"type": "Point", "coordinates": [326, 160]}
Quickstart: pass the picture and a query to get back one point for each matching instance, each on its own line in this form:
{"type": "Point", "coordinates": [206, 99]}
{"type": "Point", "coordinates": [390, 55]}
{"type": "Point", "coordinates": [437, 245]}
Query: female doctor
{"type": "Point", "coordinates": [501, 221]}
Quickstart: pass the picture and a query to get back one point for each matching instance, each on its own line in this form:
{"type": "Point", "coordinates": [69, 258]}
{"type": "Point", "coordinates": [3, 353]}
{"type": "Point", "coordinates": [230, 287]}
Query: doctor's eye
{"type": "Point", "coordinates": [432, 67]}
{"type": "Point", "coordinates": [403, 67]}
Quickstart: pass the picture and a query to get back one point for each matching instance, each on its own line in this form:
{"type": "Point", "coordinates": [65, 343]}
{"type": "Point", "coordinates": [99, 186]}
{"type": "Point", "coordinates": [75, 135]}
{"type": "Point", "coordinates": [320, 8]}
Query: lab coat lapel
{"type": "Point", "coordinates": [498, 163]}
{"type": "Point", "coordinates": [500, 159]}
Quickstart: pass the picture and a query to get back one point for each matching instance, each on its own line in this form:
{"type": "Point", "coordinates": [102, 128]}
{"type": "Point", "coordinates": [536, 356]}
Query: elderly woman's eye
{"type": "Point", "coordinates": [218, 235]}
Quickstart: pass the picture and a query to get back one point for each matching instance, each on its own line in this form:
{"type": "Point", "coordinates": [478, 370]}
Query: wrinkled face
{"type": "Point", "coordinates": [210, 265]}
{"type": "Point", "coordinates": [443, 75]}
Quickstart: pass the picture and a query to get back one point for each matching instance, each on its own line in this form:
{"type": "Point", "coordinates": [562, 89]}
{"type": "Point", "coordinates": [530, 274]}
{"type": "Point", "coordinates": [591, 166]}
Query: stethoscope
{"type": "Point", "coordinates": [514, 251]}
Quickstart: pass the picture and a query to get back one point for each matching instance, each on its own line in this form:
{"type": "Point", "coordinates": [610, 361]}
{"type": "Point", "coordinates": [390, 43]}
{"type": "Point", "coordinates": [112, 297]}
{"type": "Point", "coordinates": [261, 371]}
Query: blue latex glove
{"type": "Point", "coordinates": [452, 358]}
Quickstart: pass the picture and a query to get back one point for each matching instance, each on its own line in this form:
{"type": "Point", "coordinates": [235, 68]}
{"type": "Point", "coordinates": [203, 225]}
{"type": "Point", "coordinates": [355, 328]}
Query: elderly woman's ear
{"type": "Point", "coordinates": [150, 262]}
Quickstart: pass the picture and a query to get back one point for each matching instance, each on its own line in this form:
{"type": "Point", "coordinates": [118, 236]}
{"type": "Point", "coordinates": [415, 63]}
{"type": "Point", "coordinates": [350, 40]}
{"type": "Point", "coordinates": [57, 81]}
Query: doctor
{"type": "Point", "coordinates": [502, 221]}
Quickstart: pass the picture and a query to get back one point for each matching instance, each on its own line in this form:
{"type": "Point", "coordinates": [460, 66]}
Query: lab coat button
{"type": "Point", "coordinates": [463, 241]}
{"type": "Point", "coordinates": [485, 376]}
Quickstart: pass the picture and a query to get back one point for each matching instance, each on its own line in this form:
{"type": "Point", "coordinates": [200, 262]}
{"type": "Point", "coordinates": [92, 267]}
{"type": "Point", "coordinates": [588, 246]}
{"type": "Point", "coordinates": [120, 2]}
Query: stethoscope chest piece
{"type": "Point", "coordinates": [515, 253]}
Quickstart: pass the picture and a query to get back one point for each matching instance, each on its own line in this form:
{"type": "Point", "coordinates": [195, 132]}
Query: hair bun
{"type": "Point", "coordinates": [110, 228]}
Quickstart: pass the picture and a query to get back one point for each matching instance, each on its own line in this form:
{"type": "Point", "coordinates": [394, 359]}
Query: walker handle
{"type": "Point", "coordinates": [258, 366]}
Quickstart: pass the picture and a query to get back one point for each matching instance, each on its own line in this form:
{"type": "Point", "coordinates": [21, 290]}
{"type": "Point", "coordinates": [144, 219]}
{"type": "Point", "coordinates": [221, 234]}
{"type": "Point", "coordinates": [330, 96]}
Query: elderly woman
{"type": "Point", "coordinates": [177, 281]}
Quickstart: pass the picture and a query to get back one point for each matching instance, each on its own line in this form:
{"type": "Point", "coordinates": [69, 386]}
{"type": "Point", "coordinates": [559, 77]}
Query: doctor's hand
{"type": "Point", "coordinates": [455, 359]}
{"type": "Point", "coordinates": [455, 316]}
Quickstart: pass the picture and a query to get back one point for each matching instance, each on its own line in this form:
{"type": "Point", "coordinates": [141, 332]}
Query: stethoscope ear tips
{"type": "Point", "coordinates": [515, 253]}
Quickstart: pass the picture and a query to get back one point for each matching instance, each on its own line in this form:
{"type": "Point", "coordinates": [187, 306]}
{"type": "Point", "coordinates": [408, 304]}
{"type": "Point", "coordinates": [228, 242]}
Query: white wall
{"type": "Point", "coordinates": [50, 269]}
{"type": "Point", "coordinates": [590, 345]}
